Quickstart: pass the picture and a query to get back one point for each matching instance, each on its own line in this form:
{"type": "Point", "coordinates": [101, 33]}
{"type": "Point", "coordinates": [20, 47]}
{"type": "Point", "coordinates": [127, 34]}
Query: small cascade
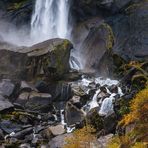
{"type": "Point", "coordinates": [68, 129]}
{"type": "Point", "coordinates": [107, 105]}
{"type": "Point", "coordinates": [104, 104]}
{"type": "Point", "coordinates": [94, 102]}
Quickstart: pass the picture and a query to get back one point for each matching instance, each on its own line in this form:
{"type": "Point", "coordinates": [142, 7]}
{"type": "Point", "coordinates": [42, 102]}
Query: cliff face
{"type": "Point", "coordinates": [16, 11]}
{"type": "Point", "coordinates": [127, 20]}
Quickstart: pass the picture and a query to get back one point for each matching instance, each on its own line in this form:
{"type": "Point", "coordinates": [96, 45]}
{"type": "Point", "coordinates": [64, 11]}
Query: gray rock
{"type": "Point", "coordinates": [5, 105]}
{"type": "Point", "coordinates": [25, 86]}
{"type": "Point", "coordinates": [104, 140]}
{"type": "Point", "coordinates": [47, 59]}
{"type": "Point", "coordinates": [57, 130]}
{"type": "Point", "coordinates": [6, 87]}
{"type": "Point", "coordinates": [41, 102]}
{"type": "Point", "coordinates": [35, 101]}
{"type": "Point", "coordinates": [59, 141]}
{"type": "Point", "coordinates": [73, 114]}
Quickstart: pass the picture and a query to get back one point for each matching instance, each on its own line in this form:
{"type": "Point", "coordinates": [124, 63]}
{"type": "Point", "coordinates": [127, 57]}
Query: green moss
{"type": "Point", "coordinates": [17, 5]}
{"type": "Point", "coordinates": [95, 120]}
{"type": "Point", "coordinates": [110, 36]}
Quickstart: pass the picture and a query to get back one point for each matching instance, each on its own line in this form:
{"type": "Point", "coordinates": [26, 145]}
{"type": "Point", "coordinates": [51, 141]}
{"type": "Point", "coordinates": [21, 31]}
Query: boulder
{"type": "Point", "coordinates": [10, 67]}
{"type": "Point", "coordinates": [110, 123]}
{"type": "Point", "coordinates": [53, 57]}
{"type": "Point", "coordinates": [35, 101]}
{"type": "Point", "coordinates": [57, 130]}
{"type": "Point", "coordinates": [6, 87]}
{"type": "Point", "coordinates": [47, 59]}
{"type": "Point", "coordinates": [98, 44]}
{"type": "Point", "coordinates": [73, 114]}
{"type": "Point", "coordinates": [5, 105]}
{"type": "Point", "coordinates": [39, 102]}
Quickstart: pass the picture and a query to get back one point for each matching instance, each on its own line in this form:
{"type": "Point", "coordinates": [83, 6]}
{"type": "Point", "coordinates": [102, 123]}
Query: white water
{"type": "Point", "coordinates": [94, 102]}
{"type": "Point", "coordinates": [107, 105]}
{"type": "Point", "coordinates": [50, 20]}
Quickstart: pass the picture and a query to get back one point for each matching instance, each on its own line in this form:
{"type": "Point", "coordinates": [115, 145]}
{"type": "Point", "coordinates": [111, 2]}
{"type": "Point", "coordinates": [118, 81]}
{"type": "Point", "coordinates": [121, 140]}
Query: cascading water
{"type": "Point", "coordinates": [50, 20]}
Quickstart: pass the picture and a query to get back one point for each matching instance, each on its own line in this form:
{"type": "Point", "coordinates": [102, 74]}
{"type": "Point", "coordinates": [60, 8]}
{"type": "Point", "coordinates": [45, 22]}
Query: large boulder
{"type": "Point", "coordinates": [49, 58]}
{"type": "Point", "coordinates": [98, 44]}
{"type": "Point", "coordinates": [12, 64]}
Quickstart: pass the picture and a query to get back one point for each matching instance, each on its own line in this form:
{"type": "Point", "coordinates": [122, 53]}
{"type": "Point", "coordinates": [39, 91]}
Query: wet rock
{"type": "Point", "coordinates": [57, 130]}
{"type": "Point", "coordinates": [77, 90]}
{"type": "Point", "coordinates": [5, 105]}
{"type": "Point", "coordinates": [73, 114]}
{"type": "Point", "coordinates": [113, 89]}
{"type": "Point", "coordinates": [6, 87]}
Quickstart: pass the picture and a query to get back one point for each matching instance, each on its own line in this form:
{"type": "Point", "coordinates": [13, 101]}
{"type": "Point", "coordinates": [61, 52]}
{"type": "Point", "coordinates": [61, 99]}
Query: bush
{"type": "Point", "coordinates": [82, 138]}
{"type": "Point", "coordinates": [137, 136]}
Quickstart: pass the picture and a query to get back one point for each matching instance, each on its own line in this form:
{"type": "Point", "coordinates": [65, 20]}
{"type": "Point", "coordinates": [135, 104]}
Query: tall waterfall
{"type": "Point", "coordinates": [50, 20]}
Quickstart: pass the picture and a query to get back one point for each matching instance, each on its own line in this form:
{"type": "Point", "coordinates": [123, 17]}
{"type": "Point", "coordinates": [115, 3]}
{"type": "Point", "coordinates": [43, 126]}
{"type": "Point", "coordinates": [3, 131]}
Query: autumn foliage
{"type": "Point", "coordinates": [82, 138]}
{"type": "Point", "coordinates": [137, 123]}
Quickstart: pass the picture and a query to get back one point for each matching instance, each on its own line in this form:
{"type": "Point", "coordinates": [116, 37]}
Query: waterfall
{"type": "Point", "coordinates": [50, 20]}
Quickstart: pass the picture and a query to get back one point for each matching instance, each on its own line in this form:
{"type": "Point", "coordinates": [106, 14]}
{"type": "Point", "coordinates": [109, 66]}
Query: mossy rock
{"type": "Point", "coordinates": [49, 58]}
{"type": "Point", "coordinates": [94, 119]}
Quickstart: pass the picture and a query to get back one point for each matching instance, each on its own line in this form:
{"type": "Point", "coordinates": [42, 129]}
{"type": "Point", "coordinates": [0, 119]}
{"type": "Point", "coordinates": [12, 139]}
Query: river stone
{"type": "Point", "coordinates": [5, 105]}
{"type": "Point", "coordinates": [6, 87]}
{"type": "Point", "coordinates": [57, 130]}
